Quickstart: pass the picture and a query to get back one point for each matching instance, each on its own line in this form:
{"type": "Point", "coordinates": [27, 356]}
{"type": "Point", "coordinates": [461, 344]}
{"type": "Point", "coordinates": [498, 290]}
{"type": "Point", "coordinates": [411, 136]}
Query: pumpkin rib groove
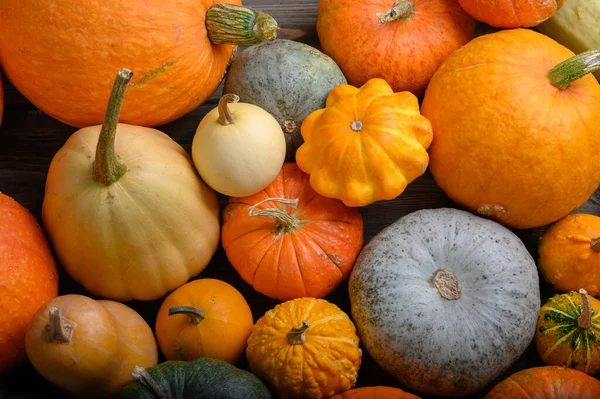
{"type": "Point", "coordinates": [254, 230]}
{"type": "Point", "coordinates": [559, 342]}
{"type": "Point", "coordinates": [308, 238]}
{"type": "Point", "coordinates": [548, 308]}
{"type": "Point", "coordinates": [576, 309]}
{"type": "Point", "coordinates": [278, 241]}
{"type": "Point", "coordinates": [293, 243]}
{"type": "Point", "coordinates": [416, 148]}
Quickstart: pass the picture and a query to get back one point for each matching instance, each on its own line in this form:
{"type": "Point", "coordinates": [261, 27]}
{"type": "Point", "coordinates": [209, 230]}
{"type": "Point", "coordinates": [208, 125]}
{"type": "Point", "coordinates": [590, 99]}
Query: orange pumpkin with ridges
{"type": "Point", "coordinates": [511, 13]}
{"type": "Point", "coordinates": [28, 278]}
{"type": "Point", "coordinates": [73, 49]}
{"type": "Point", "coordinates": [402, 41]}
{"type": "Point", "coordinates": [515, 128]}
{"type": "Point", "coordinates": [378, 392]}
{"type": "Point", "coordinates": [287, 241]}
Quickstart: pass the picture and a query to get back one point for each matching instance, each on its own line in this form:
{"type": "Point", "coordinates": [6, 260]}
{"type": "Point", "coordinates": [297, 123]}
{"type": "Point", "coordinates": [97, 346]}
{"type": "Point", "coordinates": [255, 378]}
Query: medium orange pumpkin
{"type": "Point", "coordinates": [305, 348]}
{"type": "Point", "coordinates": [72, 48]}
{"type": "Point", "coordinates": [569, 253]}
{"type": "Point", "coordinates": [402, 41]}
{"type": "Point", "coordinates": [89, 348]}
{"type": "Point", "coordinates": [378, 392]}
{"type": "Point", "coordinates": [549, 382]}
{"type": "Point", "coordinates": [366, 145]}
{"type": "Point", "coordinates": [511, 13]}
{"type": "Point", "coordinates": [287, 241]}
{"type": "Point", "coordinates": [516, 127]}
{"type": "Point", "coordinates": [204, 318]}
{"type": "Point", "coordinates": [28, 278]}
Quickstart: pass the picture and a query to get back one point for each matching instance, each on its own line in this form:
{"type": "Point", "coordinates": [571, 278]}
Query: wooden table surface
{"type": "Point", "coordinates": [29, 139]}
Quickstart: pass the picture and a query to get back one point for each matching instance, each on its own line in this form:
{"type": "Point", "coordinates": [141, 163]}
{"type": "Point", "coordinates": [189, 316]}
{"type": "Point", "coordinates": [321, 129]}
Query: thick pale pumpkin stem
{"type": "Point", "coordinates": [574, 68]}
{"type": "Point", "coordinates": [402, 10]}
{"type": "Point", "coordinates": [585, 320]}
{"type": "Point", "coordinates": [226, 117]}
{"type": "Point", "coordinates": [289, 125]}
{"type": "Point", "coordinates": [285, 221]}
{"type": "Point", "coordinates": [59, 329]}
{"type": "Point", "coordinates": [297, 335]}
{"type": "Point", "coordinates": [107, 167]}
{"type": "Point", "coordinates": [356, 126]}
{"type": "Point", "coordinates": [239, 25]}
{"type": "Point", "coordinates": [142, 375]}
{"type": "Point", "coordinates": [595, 244]}
{"type": "Point", "coordinates": [447, 284]}
{"type": "Point", "coordinates": [196, 315]}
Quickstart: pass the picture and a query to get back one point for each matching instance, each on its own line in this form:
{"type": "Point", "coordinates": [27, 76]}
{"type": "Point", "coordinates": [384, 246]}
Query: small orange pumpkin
{"type": "Point", "coordinates": [378, 392]}
{"type": "Point", "coordinates": [511, 13]}
{"type": "Point", "coordinates": [305, 348]}
{"type": "Point", "coordinates": [366, 145]}
{"type": "Point", "coordinates": [287, 241]}
{"type": "Point", "coordinates": [570, 253]}
{"type": "Point", "coordinates": [516, 118]}
{"type": "Point", "coordinates": [545, 382]}
{"type": "Point", "coordinates": [568, 332]}
{"type": "Point", "coordinates": [204, 318]}
{"type": "Point", "coordinates": [89, 348]}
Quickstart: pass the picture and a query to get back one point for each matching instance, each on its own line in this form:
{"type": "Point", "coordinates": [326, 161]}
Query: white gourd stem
{"type": "Point", "coordinates": [585, 320]}
{"type": "Point", "coordinates": [142, 375]}
{"type": "Point", "coordinates": [402, 10]}
{"type": "Point", "coordinates": [107, 167]}
{"type": "Point", "coordinates": [297, 335]}
{"type": "Point", "coordinates": [226, 117]}
{"type": "Point", "coordinates": [196, 315]}
{"type": "Point", "coordinates": [574, 68]}
{"type": "Point", "coordinates": [59, 329]}
{"type": "Point", "coordinates": [595, 244]}
{"type": "Point", "coordinates": [286, 220]}
{"type": "Point", "coordinates": [447, 284]}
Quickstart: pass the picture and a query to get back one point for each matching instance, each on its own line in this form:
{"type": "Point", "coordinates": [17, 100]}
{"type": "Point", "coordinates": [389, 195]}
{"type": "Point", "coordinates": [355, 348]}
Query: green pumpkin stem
{"type": "Point", "coordinates": [402, 10]}
{"type": "Point", "coordinates": [574, 68]}
{"type": "Point", "coordinates": [585, 320]}
{"type": "Point", "coordinates": [59, 329]}
{"type": "Point", "coordinates": [595, 244]}
{"type": "Point", "coordinates": [297, 335]}
{"type": "Point", "coordinates": [107, 167]}
{"type": "Point", "coordinates": [285, 221]}
{"type": "Point", "coordinates": [142, 375]}
{"type": "Point", "coordinates": [226, 117]}
{"type": "Point", "coordinates": [239, 25]}
{"type": "Point", "coordinates": [196, 315]}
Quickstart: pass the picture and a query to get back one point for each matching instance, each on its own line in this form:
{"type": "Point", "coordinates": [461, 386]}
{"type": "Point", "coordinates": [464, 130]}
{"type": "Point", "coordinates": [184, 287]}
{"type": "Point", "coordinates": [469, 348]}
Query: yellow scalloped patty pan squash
{"type": "Point", "coordinates": [366, 145]}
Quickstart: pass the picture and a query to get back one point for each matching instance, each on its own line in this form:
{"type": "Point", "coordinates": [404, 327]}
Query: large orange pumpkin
{"type": "Point", "coordinates": [511, 13]}
{"type": "Point", "coordinates": [62, 55]}
{"type": "Point", "coordinates": [28, 278]}
{"type": "Point", "coordinates": [378, 392]}
{"type": "Point", "coordinates": [402, 41]}
{"type": "Point", "coordinates": [287, 241]}
{"type": "Point", "coordinates": [515, 129]}
{"type": "Point", "coordinates": [549, 382]}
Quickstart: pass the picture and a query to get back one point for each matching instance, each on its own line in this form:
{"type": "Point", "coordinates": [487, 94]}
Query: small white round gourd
{"type": "Point", "coordinates": [238, 148]}
{"type": "Point", "coordinates": [445, 301]}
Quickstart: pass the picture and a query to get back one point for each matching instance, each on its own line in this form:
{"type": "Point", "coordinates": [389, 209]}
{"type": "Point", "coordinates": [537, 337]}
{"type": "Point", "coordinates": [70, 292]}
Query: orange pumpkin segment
{"type": "Point", "coordinates": [204, 318]}
{"type": "Point", "coordinates": [288, 242]}
{"type": "Point", "coordinates": [511, 13]}
{"type": "Point", "coordinates": [305, 348]}
{"type": "Point", "coordinates": [378, 392]}
{"type": "Point", "coordinates": [367, 145]}
{"type": "Point", "coordinates": [570, 253]}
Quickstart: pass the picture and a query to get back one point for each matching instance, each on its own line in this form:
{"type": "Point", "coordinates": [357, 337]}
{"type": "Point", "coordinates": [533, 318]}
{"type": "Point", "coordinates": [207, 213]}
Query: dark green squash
{"type": "Point", "coordinates": [203, 378]}
{"type": "Point", "coordinates": [286, 78]}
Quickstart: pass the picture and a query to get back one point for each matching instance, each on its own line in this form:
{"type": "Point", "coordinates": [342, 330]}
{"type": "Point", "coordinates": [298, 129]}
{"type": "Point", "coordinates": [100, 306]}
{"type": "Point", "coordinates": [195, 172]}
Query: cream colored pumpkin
{"type": "Point", "coordinates": [238, 148]}
{"type": "Point", "coordinates": [135, 225]}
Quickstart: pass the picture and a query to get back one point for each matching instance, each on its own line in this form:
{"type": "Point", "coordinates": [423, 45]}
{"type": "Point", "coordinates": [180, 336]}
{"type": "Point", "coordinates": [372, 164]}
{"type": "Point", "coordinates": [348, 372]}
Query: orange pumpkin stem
{"type": "Point", "coordinates": [585, 320]}
{"type": "Point", "coordinates": [226, 117]}
{"type": "Point", "coordinates": [142, 375]}
{"type": "Point", "coordinates": [196, 315]}
{"type": "Point", "coordinates": [285, 221]}
{"type": "Point", "coordinates": [297, 335]}
{"type": "Point", "coordinates": [107, 168]}
{"type": "Point", "coordinates": [595, 244]}
{"type": "Point", "coordinates": [574, 68]}
{"type": "Point", "coordinates": [447, 284]}
{"type": "Point", "coordinates": [239, 25]}
{"type": "Point", "coordinates": [59, 329]}
{"type": "Point", "coordinates": [402, 10]}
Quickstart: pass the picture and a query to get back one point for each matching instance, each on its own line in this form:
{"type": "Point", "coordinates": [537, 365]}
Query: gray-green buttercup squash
{"type": "Point", "coordinates": [445, 301]}
{"type": "Point", "coordinates": [288, 79]}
